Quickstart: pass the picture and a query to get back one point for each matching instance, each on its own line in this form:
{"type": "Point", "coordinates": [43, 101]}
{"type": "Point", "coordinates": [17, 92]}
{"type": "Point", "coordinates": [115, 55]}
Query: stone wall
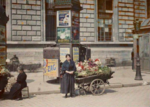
{"type": "Point", "coordinates": [26, 20]}
{"type": "Point", "coordinates": [87, 27]}
{"type": "Point", "coordinates": [26, 55]}
{"type": "Point", "coordinates": [35, 55]}
{"type": "Point", "coordinates": [121, 55]}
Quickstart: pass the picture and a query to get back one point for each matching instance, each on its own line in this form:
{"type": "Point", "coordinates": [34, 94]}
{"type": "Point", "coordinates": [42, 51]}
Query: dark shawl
{"type": "Point", "coordinates": [68, 80]}
{"type": "Point", "coordinates": [18, 86]}
{"type": "Point", "coordinates": [3, 82]}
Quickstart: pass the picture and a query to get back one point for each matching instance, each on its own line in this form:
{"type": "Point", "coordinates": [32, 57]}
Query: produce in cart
{"type": "Point", "coordinates": [90, 67]}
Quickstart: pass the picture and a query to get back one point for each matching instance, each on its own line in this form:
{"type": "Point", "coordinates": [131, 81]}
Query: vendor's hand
{"type": "Point", "coordinates": [67, 72]}
{"type": "Point", "coordinates": [71, 72]}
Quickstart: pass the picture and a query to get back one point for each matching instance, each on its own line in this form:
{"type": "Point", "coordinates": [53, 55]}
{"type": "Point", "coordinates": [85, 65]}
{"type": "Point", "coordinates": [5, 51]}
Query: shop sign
{"type": "Point", "coordinates": [75, 54]}
{"type": "Point", "coordinates": [75, 18]}
{"type": "Point", "coordinates": [50, 67]}
{"type": "Point", "coordinates": [64, 18]}
{"type": "Point", "coordinates": [2, 35]}
{"type": "Point", "coordinates": [63, 35]}
{"type": "Point", "coordinates": [75, 35]}
{"type": "Point", "coordinates": [63, 52]}
{"type": "Point", "coordinates": [2, 55]}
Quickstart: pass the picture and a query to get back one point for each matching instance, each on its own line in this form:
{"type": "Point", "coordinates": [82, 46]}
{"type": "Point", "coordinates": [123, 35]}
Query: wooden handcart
{"type": "Point", "coordinates": [95, 84]}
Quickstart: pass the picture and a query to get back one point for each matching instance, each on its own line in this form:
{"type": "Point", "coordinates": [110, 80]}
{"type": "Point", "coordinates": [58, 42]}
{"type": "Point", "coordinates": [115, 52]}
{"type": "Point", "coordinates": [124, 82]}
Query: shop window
{"type": "Point", "coordinates": [148, 8]}
{"type": "Point", "coordinates": [50, 21]}
{"type": "Point", "coordinates": [104, 20]}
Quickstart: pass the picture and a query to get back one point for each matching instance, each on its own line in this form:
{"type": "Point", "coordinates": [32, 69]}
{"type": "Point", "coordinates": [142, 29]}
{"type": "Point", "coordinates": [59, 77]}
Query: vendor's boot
{"type": "Point", "coordinates": [65, 96]}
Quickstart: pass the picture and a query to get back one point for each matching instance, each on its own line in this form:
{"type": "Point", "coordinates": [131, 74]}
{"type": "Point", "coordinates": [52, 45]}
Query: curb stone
{"type": "Point", "coordinates": [107, 87]}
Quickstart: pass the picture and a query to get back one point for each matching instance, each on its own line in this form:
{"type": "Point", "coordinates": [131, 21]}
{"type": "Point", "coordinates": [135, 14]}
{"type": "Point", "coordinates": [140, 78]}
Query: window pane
{"type": "Point", "coordinates": [109, 5]}
{"type": "Point", "coordinates": [148, 8]}
{"type": "Point", "coordinates": [101, 4]}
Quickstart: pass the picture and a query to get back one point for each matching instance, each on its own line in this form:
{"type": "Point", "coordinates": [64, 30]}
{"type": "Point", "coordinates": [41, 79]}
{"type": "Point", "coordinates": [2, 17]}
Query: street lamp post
{"type": "Point", "coordinates": [138, 76]}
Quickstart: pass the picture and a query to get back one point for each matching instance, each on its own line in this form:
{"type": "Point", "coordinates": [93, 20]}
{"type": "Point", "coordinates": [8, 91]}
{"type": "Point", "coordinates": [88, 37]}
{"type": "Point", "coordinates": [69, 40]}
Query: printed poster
{"type": "Point", "coordinates": [75, 54]}
{"type": "Point", "coordinates": [63, 35]}
{"type": "Point", "coordinates": [75, 18]}
{"type": "Point", "coordinates": [2, 55]}
{"type": "Point", "coordinates": [64, 18]}
{"type": "Point", "coordinates": [75, 35]}
{"type": "Point", "coordinates": [63, 52]}
{"type": "Point", "coordinates": [2, 35]}
{"type": "Point", "coordinates": [50, 67]}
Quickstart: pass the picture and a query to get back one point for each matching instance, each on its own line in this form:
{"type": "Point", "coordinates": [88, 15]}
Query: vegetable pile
{"type": "Point", "coordinates": [90, 67]}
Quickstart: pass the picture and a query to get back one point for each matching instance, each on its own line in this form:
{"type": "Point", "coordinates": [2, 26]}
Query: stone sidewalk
{"type": "Point", "coordinates": [116, 97]}
{"type": "Point", "coordinates": [123, 77]}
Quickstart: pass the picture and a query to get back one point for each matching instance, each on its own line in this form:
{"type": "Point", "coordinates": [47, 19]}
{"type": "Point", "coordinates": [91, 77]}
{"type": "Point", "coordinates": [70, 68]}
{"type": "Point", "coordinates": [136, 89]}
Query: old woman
{"type": "Point", "coordinates": [68, 80]}
{"type": "Point", "coordinates": [15, 92]}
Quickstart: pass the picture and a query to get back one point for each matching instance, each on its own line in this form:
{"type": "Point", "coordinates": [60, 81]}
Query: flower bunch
{"type": "Point", "coordinates": [3, 71]}
{"type": "Point", "coordinates": [89, 67]}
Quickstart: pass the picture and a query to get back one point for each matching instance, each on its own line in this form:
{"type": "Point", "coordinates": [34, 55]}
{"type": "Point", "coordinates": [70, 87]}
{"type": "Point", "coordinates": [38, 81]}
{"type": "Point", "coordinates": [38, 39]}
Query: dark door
{"type": "Point", "coordinates": [50, 22]}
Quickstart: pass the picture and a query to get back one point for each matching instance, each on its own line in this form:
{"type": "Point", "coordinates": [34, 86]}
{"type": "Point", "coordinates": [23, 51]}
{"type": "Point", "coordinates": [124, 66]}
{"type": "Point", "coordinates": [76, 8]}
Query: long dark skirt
{"type": "Point", "coordinates": [15, 91]}
{"type": "Point", "coordinates": [67, 84]}
{"type": "Point", "coordinates": [3, 83]}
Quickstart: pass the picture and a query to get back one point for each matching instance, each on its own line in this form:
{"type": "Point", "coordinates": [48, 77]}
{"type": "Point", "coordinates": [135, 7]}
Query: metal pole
{"type": "Point", "coordinates": [138, 65]}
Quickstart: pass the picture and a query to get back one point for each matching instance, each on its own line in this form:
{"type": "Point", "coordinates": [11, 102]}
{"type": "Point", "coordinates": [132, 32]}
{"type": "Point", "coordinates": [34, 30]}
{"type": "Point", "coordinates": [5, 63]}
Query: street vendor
{"type": "Point", "coordinates": [68, 80]}
{"type": "Point", "coordinates": [15, 92]}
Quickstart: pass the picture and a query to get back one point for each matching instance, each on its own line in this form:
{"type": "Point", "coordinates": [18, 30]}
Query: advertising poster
{"type": "Point", "coordinates": [64, 18]}
{"type": "Point", "coordinates": [50, 67]}
{"type": "Point", "coordinates": [75, 54]}
{"type": "Point", "coordinates": [63, 35]}
{"type": "Point", "coordinates": [2, 34]}
{"type": "Point", "coordinates": [75, 35]}
{"type": "Point", "coordinates": [2, 55]}
{"type": "Point", "coordinates": [75, 18]}
{"type": "Point", "coordinates": [63, 52]}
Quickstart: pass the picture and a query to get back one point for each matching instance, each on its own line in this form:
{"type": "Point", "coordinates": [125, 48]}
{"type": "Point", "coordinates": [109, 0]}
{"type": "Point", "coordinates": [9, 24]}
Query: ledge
{"type": "Point", "coordinates": [84, 43]}
{"type": "Point", "coordinates": [109, 43]}
{"type": "Point", "coordinates": [42, 43]}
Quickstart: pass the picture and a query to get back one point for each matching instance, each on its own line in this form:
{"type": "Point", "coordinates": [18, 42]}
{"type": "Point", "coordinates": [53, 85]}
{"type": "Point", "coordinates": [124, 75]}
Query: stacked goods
{"type": "Point", "coordinates": [3, 71]}
{"type": "Point", "coordinates": [88, 68]}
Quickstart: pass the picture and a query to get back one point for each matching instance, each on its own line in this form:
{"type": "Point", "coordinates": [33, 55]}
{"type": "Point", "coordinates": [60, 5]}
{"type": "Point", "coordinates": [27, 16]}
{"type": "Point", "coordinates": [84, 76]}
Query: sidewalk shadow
{"type": "Point", "coordinates": [53, 81]}
{"type": "Point", "coordinates": [25, 98]}
{"type": "Point", "coordinates": [29, 80]}
{"type": "Point", "coordinates": [107, 91]}
{"type": "Point", "coordinates": [5, 97]}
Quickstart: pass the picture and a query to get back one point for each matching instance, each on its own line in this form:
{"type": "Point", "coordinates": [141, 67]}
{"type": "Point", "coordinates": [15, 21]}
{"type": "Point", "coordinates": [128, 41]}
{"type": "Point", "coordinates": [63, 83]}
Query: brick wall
{"type": "Point", "coordinates": [26, 20]}
{"type": "Point", "coordinates": [87, 29]}
{"type": "Point", "coordinates": [128, 11]}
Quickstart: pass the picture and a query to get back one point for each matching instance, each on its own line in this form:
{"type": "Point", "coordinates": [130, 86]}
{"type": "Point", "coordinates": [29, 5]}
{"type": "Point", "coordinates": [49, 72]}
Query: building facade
{"type": "Point", "coordinates": [105, 26]}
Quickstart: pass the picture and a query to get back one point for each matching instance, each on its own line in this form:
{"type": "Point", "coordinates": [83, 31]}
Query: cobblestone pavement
{"type": "Point", "coordinates": [122, 97]}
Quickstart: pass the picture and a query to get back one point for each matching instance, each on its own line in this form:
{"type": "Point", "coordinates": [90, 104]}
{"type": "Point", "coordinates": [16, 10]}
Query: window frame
{"type": "Point", "coordinates": [104, 38]}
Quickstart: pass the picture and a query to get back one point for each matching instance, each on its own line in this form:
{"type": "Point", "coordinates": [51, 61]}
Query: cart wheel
{"type": "Point", "coordinates": [82, 92]}
{"type": "Point", "coordinates": [97, 86]}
